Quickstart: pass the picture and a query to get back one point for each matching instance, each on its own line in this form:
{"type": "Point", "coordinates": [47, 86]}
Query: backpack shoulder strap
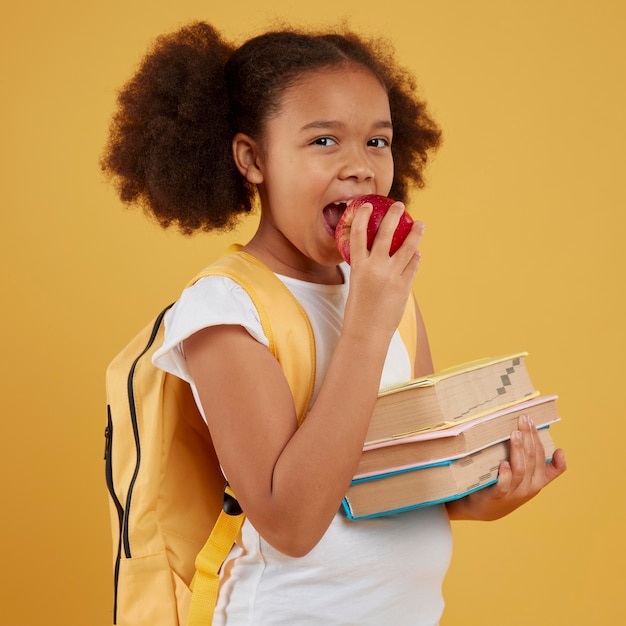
{"type": "Point", "coordinates": [284, 321]}
{"type": "Point", "coordinates": [206, 582]}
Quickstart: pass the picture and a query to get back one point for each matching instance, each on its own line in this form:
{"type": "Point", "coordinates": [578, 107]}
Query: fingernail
{"type": "Point", "coordinates": [528, 420]}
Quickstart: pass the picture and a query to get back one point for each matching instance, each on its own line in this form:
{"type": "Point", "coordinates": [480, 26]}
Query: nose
{"type": "Point", "coordinates": [356, 166]}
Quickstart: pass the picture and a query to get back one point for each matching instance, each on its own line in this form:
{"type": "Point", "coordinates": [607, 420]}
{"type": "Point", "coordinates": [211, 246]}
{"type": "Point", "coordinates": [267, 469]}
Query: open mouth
{"type": "Point", "coordinates": [333, 213]}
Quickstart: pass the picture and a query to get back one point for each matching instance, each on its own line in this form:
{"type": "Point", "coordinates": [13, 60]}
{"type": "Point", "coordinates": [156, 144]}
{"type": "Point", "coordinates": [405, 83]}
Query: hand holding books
{"type": "Point", "coordinates": [474, 436]}
{"type": "Point", "coordinates": [519, 479]}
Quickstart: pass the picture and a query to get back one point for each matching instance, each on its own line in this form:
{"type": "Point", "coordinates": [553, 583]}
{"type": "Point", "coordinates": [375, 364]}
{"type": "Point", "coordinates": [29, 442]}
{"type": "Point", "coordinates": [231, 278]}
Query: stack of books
{"type": "Point", "coordinates": [441, 437]}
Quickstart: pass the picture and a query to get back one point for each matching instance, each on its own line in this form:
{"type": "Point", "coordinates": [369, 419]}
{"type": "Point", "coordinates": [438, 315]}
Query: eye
{"type": "Point", "coordinates": [379, 142]}
{"type": "Point", "coordinates": [324, 141]}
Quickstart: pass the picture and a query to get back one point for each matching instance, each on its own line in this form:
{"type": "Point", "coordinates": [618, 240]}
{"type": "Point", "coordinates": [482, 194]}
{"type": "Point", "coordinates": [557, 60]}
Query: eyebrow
{"type": "Point", "coordinates": [325, 124]}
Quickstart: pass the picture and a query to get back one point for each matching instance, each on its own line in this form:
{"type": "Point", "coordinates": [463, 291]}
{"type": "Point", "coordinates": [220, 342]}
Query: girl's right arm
{"type": "Point", "coordinates": [290, 481]}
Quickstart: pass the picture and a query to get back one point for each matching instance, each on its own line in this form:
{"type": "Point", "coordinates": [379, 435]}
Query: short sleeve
{"type": "Point", "coordinates": [212, 301]}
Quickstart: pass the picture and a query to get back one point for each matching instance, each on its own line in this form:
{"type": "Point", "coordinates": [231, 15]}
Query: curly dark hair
{"type": "Point", "coordinates": [169, 148]}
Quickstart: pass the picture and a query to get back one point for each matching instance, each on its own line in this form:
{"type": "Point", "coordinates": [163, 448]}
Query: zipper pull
{"type": "Point", "coordinates": [108, 432]}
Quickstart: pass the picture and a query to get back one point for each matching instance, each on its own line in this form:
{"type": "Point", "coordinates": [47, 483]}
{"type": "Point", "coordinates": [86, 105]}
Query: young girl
{"type": "Point", "coordinates": [303, 123]}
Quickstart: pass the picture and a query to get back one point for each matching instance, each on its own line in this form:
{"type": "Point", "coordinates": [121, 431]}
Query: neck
{"type": "Point", "coordinates": [283, 258]}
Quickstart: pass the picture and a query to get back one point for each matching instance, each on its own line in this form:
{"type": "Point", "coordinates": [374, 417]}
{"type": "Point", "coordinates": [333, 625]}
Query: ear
{"type": "Point", "coordinates": [246, 153]}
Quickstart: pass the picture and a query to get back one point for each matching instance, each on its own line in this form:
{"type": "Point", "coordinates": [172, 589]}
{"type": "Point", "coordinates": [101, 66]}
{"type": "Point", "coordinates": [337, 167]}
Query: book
{"type": "Point", "coordinates": [450, 396]}
{"type": "Point", "coordinates": [431, 484]}
{"type": "Point", "coordinates": [452, 442]}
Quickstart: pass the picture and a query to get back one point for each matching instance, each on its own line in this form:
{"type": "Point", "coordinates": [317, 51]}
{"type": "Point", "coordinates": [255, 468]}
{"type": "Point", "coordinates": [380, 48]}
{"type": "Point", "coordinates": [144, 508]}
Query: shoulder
{"type": "Point", "coordinates": [211, 301]}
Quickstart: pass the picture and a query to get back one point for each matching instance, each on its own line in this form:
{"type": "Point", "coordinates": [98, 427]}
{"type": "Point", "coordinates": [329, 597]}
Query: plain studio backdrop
{"type": "Point", "coordinates": [525, 217]}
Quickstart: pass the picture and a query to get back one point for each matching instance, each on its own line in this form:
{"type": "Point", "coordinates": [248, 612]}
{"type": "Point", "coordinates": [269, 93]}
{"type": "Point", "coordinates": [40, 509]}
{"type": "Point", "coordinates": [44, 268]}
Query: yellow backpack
{"type": "Point", "coordinates": [165, 484]}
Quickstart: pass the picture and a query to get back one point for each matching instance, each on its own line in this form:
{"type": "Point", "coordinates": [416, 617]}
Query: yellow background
{"type": "Point", "coordinates": [524, 250]}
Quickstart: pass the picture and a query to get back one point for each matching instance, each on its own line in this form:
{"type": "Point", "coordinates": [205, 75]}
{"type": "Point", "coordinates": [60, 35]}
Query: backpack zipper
{"type": "Point", "coordinates": [108, 462]}
{"type": "Point", "coordinates": [133, 418]}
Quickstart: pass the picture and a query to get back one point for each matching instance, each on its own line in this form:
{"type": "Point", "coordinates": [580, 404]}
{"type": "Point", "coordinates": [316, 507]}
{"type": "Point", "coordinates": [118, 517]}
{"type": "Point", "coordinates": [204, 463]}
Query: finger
{"type": "Point", "coordinates": [535, 455]}
{"type": "Point", "coordinates": [412, 240]}
{"type": "Point", "coordinates": [358, 233]}
{"type": "Point", "coordinates": [386, 229]}
{"type": "Point", "coordinates": [505, 478]}
{"type": "Point", "coordinates": [412, 265]}
{"type": "Point", "coordinates": [543, 473]}
{"type": "Point", "coordinates": [556, 466]}
{"type": "Point", "coordinates": [540, 457]}
{"type": "Point", "coordinates": [407, 256]}
{"type": "Point", "coordinates": [517, 459]}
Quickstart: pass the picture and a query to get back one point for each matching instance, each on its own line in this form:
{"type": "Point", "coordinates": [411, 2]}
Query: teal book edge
{"type": "Point", "coordinates": [348, 511]}
{"type": "Point", "coordinates": [421, 505]}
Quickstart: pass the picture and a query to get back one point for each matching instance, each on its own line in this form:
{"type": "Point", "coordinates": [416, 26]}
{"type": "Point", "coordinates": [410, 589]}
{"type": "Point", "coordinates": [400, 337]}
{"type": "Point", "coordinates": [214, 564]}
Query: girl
{"type": "Point", "coordinates": [303, 123]}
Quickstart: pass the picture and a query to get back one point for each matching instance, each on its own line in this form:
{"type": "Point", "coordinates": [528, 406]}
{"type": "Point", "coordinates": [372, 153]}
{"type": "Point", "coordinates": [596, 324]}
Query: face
{"type": "Point", "coordinates": [330, 142]}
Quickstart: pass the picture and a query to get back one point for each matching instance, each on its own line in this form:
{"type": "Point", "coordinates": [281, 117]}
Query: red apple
{"type": "Point", "coordinates": [381, 205]}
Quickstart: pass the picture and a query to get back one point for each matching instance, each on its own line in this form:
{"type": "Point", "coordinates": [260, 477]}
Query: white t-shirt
{"type": "Point", "coordinates": [387, 570]}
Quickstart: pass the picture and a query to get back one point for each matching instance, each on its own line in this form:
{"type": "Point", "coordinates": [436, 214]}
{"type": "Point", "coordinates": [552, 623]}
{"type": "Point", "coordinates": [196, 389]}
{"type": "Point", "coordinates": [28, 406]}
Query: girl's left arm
{"type": "Point", "coordinates": [519, 479]}
{"type": "Point", "coordinates": [423, 365]}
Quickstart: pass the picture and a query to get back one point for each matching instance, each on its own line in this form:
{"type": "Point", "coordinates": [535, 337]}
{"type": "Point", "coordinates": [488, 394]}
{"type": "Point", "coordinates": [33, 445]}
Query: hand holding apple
{"type": "Point", "coordinates": [380, 205]}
